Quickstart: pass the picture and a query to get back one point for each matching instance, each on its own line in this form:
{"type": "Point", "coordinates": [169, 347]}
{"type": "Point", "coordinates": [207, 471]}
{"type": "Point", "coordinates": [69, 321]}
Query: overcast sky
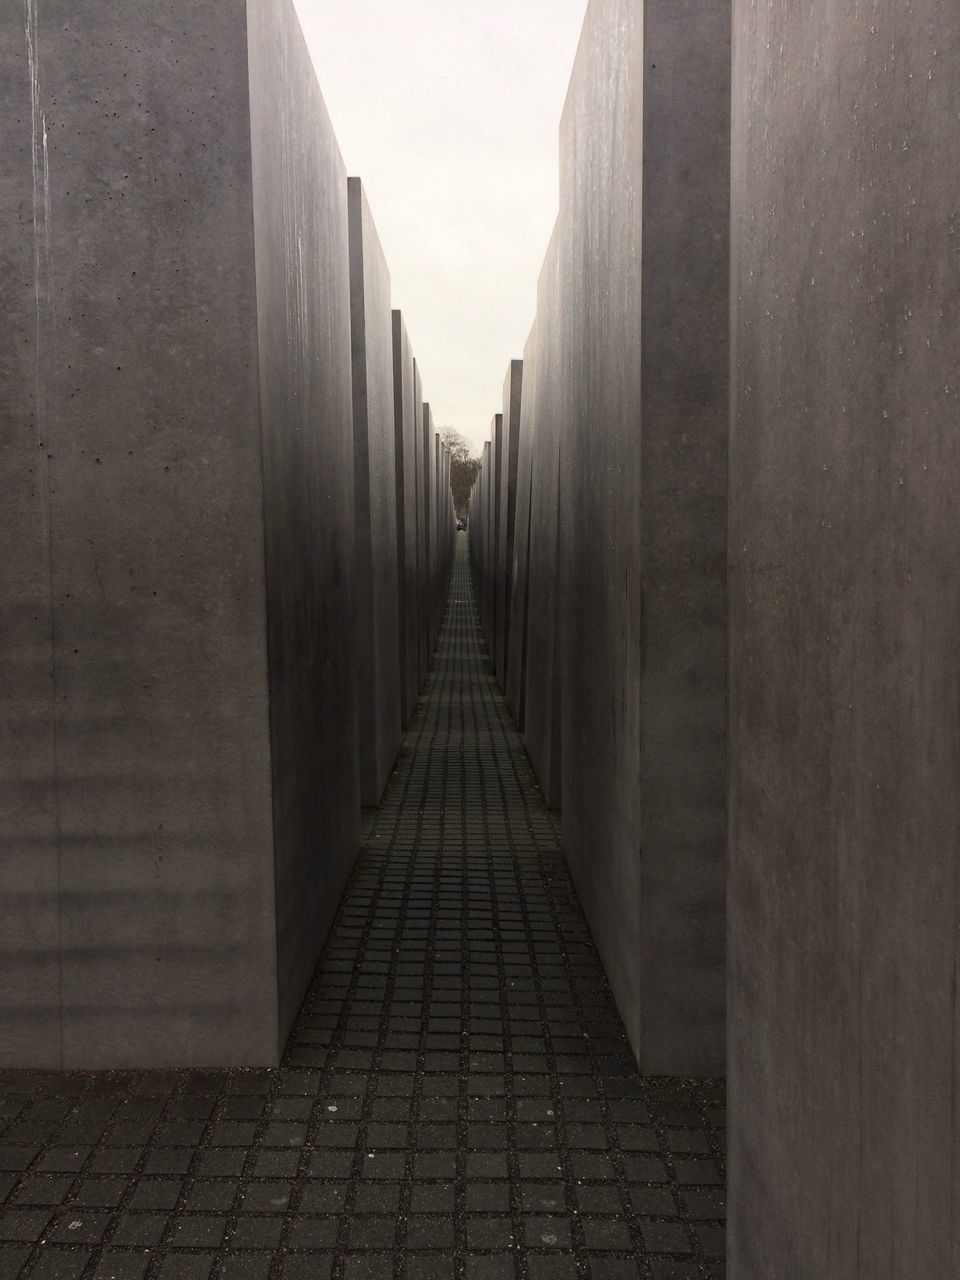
{"type": "Point", "coordinates": [449, 111]}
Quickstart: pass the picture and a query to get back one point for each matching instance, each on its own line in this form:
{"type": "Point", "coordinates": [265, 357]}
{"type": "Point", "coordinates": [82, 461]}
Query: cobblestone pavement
{"type": "Point", "coordinates": [457, 1097]}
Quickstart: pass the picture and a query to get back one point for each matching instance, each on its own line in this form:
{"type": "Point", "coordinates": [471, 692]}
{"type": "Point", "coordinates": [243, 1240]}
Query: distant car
{"type": "Point", "coordinates": [461, 526]}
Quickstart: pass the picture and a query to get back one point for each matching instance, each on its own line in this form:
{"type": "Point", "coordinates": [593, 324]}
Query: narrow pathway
{"type": "Point", "coordinates": [457, 1100]}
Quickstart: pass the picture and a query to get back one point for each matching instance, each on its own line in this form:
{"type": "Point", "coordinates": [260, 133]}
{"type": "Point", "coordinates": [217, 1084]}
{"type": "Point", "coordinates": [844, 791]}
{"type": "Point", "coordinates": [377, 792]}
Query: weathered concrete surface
{"type": "Point", "coordinates": [543, 407]}
{"type": "Point", "coordinates": [138, 850]}
{"type": "Point", "coordinates": [493, 531]}
{"type": "Point", "coordinates": [476, 539]}
{"type": "Point", "coordinates": [436, 603]}
{"type": "Point", "coordinates": [477, 535]}
{"type": "Point", "coordinates": [406, 416]}
{"type": "Point", "coordinates": [486, 534]}
{"type": "Point", "coordinates": [474, 520]}
{"type": "Point", "coordinates": [845, 625]}
{"type": "Point", "coordinates": [375, 585]}
{"type": "Point", "coordinates": [140, 811]}
{"type": "Point", "coordinates": [512, 387]}
{"type": "Point", "coordinates": [428, 532]}
{"type": "Point", "coordinates": [446, 527]}
{"type": "Point", "coordinates": [516, 683]}
{"type": "Point", "coordinates": [423, 650]}
{"type": "Point", "coordinates": [303, 284]}
{"type": "Point", "coordinates": [644, 490]}
{"type": "Point", "coordinates": [450, 517]}
{"type": "Point", "coordinates": [489, 528]}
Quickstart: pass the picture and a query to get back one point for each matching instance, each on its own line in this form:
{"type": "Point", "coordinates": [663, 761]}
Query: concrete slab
{"type": "Point", "coordinates": [544, 407]}
{"type": "Point", "coordinates": [644, 283]}
{"type": "Point", "coordinates": [421, 491]}
{"type": "Point", "coordinates": [516, 683]}
{"type": "Point", "coordinates": [486, 609]}
{"type": "Point", "coordinates": [375, 585]}
{"type": "Point", "coordinates": [451, 515]}
{"type": "Point", "coordinates": [427, 533]}
{"type": "Point", "coordinates": [436, 601]}
{"type": "Point", "coordinates": [845, 626]}
{"type": "Point", "coordinates": [512, 390]}
{"type": "Point", "coordinates": [302, 255]}
{"type": "Point", "coordinates": [445, 530]}
{"type": "Point", "coordinates": [493, 531]}
{"type": "Point", "coordinates": [476, 535]}
{"type": "Point", "coordinates": [406, 416]}
{"type": "Point", "coordinates": [169, 898]}
{"type": "Point", "coordinates": [480, 538]}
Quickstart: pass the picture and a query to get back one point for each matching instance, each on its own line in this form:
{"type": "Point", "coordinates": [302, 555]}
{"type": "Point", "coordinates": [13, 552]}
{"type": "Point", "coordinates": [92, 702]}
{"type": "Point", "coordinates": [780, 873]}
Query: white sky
{"type": "Point", "coordinates": [449, 111]}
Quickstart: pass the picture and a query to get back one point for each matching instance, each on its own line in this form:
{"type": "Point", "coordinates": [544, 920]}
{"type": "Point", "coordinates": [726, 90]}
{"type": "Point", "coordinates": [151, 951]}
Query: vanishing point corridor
{"type": "Point", "coordinates": [457, 1099]}
{"type": "Point", "coordinates": [478, 627]}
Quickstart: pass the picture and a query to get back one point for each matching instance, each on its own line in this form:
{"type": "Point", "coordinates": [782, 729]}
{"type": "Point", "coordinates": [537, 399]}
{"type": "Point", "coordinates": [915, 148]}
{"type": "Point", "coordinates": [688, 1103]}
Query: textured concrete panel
{"type": "Point", "coordinates": [435, 601]}
{"type": "Point", "coordinates": [496, 527]}
{"type": "Point", "coordinates": [375, 586]}
{"type": "Point", "coordinates": [476, 530]}
{"type": "Point", "coordinates": [493, 531]}
{"type": "Point", "coordinates": [406, 416]}
{"type": "Point", "coordinates": [426, 525]}
{"type": "Point", "coordinates": [486, 531]}
{"type": "Point", "coordinates": [512, 388]}
{"type": "Point", "coordinates": [423, 650]}
{"type": "Point", "coordinates": [428, 532]}
{"type": "Point", "coordinates": [136, 760]}
{"type": "Point", "coordinates": [451, 516]}
{"type": "Point", "coordinates": [644, 284]}
{"type": "Point", "coordinates": [516, 683]}
{"type": "Point", "coordinates": [302, 257]}
{"type": "Point", "coordinates": [845, 626]}
{"type": "Point", "coordinates": [544, 404]}
{"type": "Point", "coordinates": [446, 526]}
{"type": "Point", "coordinates": [104, 828]}
{"type": "Point", "coordinates": [479, 537]}
{"type": "Point", "coordinates": [140, 809]}
{"type": "Point", "coordinates": [443, 530]}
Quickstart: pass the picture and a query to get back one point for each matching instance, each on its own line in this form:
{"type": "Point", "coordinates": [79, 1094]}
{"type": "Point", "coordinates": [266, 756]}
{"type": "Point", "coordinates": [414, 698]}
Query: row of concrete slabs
{"type": "Point", "coordinates": [226, 557]}
{"type": "Point", "coordinates": [727, 629]}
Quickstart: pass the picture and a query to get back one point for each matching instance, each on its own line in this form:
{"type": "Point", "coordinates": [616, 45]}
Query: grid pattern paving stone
{"type": "Point", "coordinates": [457, 1098]}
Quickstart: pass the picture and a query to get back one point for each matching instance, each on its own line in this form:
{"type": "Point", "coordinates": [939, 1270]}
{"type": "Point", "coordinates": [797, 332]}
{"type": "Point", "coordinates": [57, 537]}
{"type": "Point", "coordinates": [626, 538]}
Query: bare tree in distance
{"type": "Point", "coordinates": [463, 468]}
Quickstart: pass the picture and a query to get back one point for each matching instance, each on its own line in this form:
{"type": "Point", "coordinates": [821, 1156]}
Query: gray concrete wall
{"type": "Point", "coordinates": [426, 523]}
{"type": "Point", "coordinates": [516, 684]}
{"type": "Point", "coordinates": [428, 532]}
{"type": "Point", "coordinates": [406, 415]}
{"type": "Point", "coordinates": [493, 532]}
{"type": "Point", "coordinates": [475, 539]}
{"type": "Point", "coordinates": [476, 535]}
{"type": "Point", "coordinates": [140, 807]}
{"type": "Point", "coordinates": [435, 542]}
{"type": "Point", "coordinates": [845, 625]}
{"type": "Point", "coordinates": [444, 525]}
{"type": "Point", "coordinates": [114, 770]}
{"type": "Point", "coordinates": [479, 530]}
{"type": "Point", "coordinates": [136, 812]}
{"type": "Point", "coordinates": [644, 264]}
{"type": "Point", "coordinates": [451, 522]}
{"type": "Point", "coordinates": [303, 290]}
{"type": "Point", "coordinates": [489, 492]}
{"type": "Point", "coordinates": [375, 579]}
{"type": "Point", "coordinates": [423, 650]}
{"type": "Point", "coordinates": [512, 387]}
{"type": "Point", "coordinates": [544, 406]}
